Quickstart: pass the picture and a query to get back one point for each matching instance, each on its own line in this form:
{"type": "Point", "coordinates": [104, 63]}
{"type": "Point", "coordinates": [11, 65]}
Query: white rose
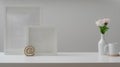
{"type": "Point", "coordinates": [102, 22]}
{"type": "Point", "coordinates": [99, 23]}
{"type": "Point", "coordinates": [106, 20]}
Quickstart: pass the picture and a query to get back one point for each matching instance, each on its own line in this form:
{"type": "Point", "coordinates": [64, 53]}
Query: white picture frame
{"type": "Point", "coordinates": [43, 39]}
{"type": "Point", "coordinates": [17, 19]}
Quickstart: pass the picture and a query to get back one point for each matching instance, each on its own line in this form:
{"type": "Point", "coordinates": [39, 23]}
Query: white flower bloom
{"type": "Point", "coordinates": [99, 23]}
{"type": "Point", "coordinates": [106, 20]}
{"type": "Point", "coordinates": [102, 22]}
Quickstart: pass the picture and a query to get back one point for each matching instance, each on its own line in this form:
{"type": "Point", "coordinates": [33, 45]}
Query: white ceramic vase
{"type": "Point", "coordinates": [101, 45]}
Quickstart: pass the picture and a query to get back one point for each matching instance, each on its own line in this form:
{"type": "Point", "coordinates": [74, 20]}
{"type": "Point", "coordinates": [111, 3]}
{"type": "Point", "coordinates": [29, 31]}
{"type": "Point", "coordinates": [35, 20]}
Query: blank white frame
{"type": "Point", "coordinates": [17, 19]}
{"type": "Point", "coordinates": [44, 39]}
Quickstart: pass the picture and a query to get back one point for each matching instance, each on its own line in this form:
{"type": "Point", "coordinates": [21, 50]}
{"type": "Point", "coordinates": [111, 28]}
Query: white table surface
{"type": "Point", "coordinates": [68, 57]}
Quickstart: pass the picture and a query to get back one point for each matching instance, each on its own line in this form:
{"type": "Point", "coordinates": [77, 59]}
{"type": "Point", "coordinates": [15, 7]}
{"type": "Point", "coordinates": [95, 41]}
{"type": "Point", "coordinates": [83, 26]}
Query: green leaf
{"type": "Point", "coordinates": [103, 29]}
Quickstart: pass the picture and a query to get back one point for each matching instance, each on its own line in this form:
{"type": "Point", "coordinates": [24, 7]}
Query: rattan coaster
{"type": "Point", "coordinates": [29, 50]}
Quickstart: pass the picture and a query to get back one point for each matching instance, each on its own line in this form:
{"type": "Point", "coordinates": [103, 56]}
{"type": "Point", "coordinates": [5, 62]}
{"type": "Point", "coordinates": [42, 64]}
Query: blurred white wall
{"type": "Point", "coordinates": [74, 20]}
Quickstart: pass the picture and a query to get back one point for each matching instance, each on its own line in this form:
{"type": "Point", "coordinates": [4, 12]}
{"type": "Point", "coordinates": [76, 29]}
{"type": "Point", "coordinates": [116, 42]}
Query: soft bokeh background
{"type": "Point", "coordinates": [74, 21]}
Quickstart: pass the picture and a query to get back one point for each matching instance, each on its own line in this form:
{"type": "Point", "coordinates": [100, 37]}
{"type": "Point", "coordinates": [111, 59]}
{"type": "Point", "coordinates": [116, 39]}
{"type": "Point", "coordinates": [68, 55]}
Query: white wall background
{"type": "Point", "coordinates": [74, 20]}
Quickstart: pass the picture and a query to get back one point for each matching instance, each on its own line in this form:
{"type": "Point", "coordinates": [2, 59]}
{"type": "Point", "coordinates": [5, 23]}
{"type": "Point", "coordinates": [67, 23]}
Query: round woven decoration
{"type": "Point", "coordinates": [29, 50]}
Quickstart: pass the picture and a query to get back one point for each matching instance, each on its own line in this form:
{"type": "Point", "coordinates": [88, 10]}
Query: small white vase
{"type": "Point", "coordinates": [101, 46]}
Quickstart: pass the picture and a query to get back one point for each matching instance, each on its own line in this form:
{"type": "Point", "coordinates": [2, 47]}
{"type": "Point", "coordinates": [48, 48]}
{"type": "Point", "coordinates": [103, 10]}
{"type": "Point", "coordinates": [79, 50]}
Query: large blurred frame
{"type": "Point", "coordinates": [17, 19]}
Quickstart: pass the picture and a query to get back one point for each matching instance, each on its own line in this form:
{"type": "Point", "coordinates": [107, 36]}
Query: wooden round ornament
{"type": "Point", "coordinates": [29, 50]}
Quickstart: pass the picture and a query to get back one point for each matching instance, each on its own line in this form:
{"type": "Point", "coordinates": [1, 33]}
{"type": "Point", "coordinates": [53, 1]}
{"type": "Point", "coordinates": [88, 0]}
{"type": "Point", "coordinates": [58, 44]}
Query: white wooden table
{"type": "Point", "coordinates": [74, 58]}
{"type": "Point", "coordinates": [70, 57]}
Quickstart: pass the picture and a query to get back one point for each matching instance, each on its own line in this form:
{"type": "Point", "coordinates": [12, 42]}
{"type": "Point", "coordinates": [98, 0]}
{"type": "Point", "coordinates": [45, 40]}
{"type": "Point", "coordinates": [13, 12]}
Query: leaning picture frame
{"type": "Point", "coordinates": [17, 19]}
{"type": "Point", "coordinates": [43, 39]}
